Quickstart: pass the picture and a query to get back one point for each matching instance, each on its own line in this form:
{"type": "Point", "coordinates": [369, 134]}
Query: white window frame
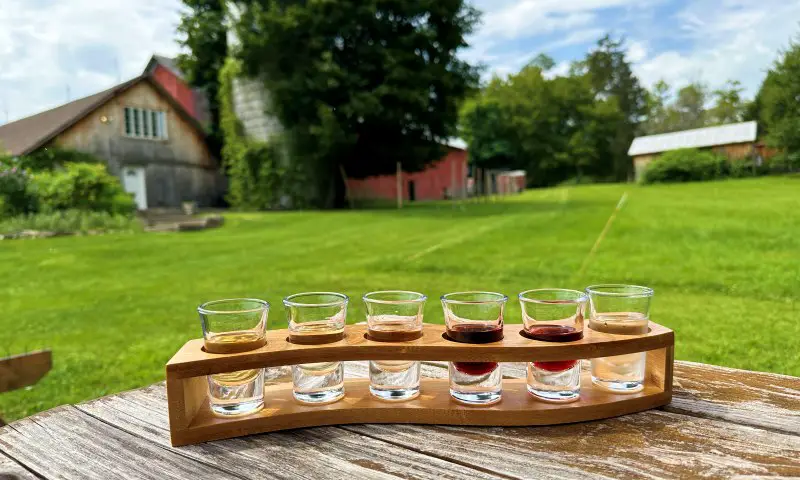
{"type": "Point", "coordinates": [144, 118]}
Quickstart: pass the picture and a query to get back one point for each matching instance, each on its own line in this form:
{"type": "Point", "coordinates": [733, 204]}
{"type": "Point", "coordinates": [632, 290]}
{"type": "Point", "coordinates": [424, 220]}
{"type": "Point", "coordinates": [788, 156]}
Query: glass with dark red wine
{"type": "Point", "coordinates": [554, 315]}
{"type": "Point", "coordinates": [475, 317]}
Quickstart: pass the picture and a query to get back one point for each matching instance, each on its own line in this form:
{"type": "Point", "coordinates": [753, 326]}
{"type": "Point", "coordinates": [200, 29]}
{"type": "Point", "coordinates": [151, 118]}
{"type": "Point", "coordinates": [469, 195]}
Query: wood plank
{"type": "Point", "coordinates": [11, 470]}
{"type": "Point", "coordinates": [192, 360]}
{"type": "Point", "coordinates": [764, 400]}
{"type": "Point", "coordinates": [319, 453]}
{"type": "Point", "coordinates": [648, 444]}
{"type": "Point", "coordinates": [757, 399]}
{"type": "Point", "coordinates": [67, 443]}
{"type": "Point", "coordinates": [19, 371]}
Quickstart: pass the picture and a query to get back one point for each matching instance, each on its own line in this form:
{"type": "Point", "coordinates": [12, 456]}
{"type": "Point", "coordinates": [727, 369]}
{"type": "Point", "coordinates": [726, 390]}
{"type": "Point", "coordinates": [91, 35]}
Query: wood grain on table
{"type": "Point", "coordinates": [721, 423]}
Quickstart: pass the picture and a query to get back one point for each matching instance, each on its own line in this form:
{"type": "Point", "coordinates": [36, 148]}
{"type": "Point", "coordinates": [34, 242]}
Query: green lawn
{"type": "Point", "coordinates": [723, 258]}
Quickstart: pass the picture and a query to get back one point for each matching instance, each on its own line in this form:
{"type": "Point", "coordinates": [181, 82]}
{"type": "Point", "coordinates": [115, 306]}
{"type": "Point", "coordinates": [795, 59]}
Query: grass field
{"type": "Point", "coordinates": [723, 258]}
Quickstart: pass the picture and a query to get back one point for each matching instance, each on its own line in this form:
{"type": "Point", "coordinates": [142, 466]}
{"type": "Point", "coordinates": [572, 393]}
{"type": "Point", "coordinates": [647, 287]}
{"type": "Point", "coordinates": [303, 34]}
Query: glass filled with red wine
{"type": "Point", "coordinates": [554, 315]}
{"type": "Point", "coordinates": [475, 317]}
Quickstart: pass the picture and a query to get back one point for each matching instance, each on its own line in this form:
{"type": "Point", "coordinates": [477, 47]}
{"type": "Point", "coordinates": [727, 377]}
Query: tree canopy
{"type": "Point", "coordinates": [779, 100]}
{"type": "Point", "coordinates": [553, 128]}
{"type": "Point", "coordinates": [360, 85]}
{"type": "Point", "coordinates": [203, 34]}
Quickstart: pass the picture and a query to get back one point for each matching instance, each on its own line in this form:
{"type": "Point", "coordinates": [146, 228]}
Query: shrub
{"type": "Point", "coordinates": [685, 165]}
{"type": "Point", "coordinates": [785, 162]}
{"type": "Point", "coordinates": [81, 186]}
{"type": "Point", "coordinates": [70, 221]}
{"type": "Point", "coordinates": [15, 195]}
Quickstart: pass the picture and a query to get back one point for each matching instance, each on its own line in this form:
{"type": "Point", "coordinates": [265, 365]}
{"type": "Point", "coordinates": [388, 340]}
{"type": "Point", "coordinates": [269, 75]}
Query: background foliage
{"type": "Point", "coordinates": [685, 165]}
{"type": "Point", "coordinates": [359, 85]}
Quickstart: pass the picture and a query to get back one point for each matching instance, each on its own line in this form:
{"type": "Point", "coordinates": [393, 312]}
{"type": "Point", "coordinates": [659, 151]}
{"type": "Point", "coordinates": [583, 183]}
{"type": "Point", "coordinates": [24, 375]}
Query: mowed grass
{"type": "Point", "coordinates": [723, 258]}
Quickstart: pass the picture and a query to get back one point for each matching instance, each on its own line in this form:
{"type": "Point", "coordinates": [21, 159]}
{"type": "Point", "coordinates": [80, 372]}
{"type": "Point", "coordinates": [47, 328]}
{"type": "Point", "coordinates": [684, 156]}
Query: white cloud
{"type": "Point", "coordinates": [49, 46]}
{"type": "Point", "coordinates": [729, 40]}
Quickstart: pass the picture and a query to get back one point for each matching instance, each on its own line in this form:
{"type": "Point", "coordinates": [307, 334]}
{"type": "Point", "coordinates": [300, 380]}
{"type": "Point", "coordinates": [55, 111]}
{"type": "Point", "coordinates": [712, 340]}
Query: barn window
{"type": "Point", "coordinates": [145, 123]}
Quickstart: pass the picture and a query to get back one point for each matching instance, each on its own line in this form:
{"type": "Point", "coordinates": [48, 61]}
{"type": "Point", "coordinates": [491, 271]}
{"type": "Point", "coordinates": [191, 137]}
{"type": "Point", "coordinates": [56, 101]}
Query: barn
{"type": "Point", "coordinates": [145, 135]}
{"type": "Point", "coordinates": [443, 179]}
{"type": "Point", "coordinates": [736, 141]}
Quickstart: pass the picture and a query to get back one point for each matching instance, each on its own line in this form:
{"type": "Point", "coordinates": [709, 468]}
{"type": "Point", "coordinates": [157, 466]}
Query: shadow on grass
{"type": "Point", "coordinates": [470, 208]}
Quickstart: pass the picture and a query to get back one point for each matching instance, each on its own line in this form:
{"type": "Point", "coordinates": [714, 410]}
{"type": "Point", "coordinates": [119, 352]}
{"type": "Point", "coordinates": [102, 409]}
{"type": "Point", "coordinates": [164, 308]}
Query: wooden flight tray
{"type": "Point", "coordinates": [191, 420]}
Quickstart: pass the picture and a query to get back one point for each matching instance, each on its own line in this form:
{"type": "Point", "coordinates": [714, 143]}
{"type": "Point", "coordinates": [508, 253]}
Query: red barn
{"type": "Point", "coordinates": [167, 74]}
{"type": "Point", "coordinates": [446, 178]}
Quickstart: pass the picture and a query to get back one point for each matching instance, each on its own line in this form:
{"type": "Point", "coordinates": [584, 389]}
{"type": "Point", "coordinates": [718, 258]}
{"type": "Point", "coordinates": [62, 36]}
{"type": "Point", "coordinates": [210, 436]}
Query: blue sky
{"type": "Point", "coordinates": [51, 50]}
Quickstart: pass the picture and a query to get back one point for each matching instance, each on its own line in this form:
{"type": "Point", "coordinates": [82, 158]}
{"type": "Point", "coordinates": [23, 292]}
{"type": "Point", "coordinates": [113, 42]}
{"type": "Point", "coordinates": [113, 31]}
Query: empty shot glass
{"type": "Point", "coordinates": [394, 316]}
{"type": "Point", "coordinates": [621, 310]}
{"type": "Point", "coordinates": [475, 317]}
{"type": "Point", "coordinates": [230, 326]}
{"type": "Point", "coordinates": [316, 318]}
{"type": "Point", "coordinates": [554, 315]}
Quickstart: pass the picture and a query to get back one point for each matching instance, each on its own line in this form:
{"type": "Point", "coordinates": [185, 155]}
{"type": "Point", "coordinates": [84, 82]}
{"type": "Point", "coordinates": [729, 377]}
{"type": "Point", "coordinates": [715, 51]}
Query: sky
{"type": "Point", "coordinates": [52, 51]}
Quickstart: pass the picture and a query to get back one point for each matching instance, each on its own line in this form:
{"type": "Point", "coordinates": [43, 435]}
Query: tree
{"type": "Point", "coordinates": [610, 75]}
{"type": "Point", "coordinates": [728, 104]}
{"type": "Point", "coordinates": [360, 85]}
{"type": "Point", "coordinates": [657, 109]}
{"type": "Point", "coordinates": [204, 34]}
{"type": "Point", "coordinates": [554, 129]}
{"type": "Point", "coordinates": [689, 109]}
{"type": "Point", "coordinates": [779, 100]}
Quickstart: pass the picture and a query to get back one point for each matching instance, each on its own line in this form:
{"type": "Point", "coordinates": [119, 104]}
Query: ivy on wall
{"type": "Point", "coordinates": [259, 173]}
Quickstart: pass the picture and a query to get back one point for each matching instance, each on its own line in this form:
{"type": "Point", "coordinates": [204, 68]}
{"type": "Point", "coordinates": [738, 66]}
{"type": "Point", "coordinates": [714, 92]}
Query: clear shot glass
{"type": "Point", "coordinates": [394, 316]}
{"type": "Point", "coordinates": [475, 317]}
{"type": "Point", "coordinates": [620, 310]}
{"type": "Point", "coordinates": [230, 326]}
{"type": "Point", "coordinates": [316, 318]}
{"type": "Point", "coordinates": [554, 315]}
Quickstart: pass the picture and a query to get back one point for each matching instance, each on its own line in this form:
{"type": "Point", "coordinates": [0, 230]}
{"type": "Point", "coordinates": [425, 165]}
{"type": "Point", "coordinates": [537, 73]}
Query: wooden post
{"type": "Point", "coordinates": [399, 186]}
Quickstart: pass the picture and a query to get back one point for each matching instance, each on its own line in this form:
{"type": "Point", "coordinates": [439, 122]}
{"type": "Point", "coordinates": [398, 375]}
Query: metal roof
{"type": "Point", "coordinates": [697, 138]}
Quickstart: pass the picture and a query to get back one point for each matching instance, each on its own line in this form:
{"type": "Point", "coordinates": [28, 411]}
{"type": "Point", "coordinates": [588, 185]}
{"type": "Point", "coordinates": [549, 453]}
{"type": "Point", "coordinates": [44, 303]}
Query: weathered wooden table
{"type": "Point", "coordinates": [721, 423]}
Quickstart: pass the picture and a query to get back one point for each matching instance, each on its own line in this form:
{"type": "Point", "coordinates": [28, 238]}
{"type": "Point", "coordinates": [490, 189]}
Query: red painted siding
{"type": "Point", "coordinates": [433, 183]}
{"type": "Point", "coordinates": [176, 87]}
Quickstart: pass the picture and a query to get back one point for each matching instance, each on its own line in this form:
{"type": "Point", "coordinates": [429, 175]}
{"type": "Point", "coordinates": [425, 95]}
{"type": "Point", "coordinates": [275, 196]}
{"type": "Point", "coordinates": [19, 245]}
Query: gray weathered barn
{"type": "Point", "coordinates": [157, 149]}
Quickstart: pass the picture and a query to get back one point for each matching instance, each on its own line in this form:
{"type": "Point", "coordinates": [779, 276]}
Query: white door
{"type": "Point", "coordinates": [133, 182]}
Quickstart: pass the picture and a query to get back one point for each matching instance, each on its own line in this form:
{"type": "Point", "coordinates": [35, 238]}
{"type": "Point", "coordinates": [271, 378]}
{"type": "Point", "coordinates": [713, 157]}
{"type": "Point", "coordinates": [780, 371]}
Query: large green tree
{"type": "Point", "coordinates": [779, 100]}
{"type": "Point", "coordinates": [689, 107]}
{"type": "Point", "coordinates": [203, 34]}
{"type": "Point", "coordinates": [554, 128]}
{"type": "Point", "coordinates": [729, 107]}
{"type": "Point", "coordinates": [359, 85]}
{"type": "Point", "coordinates": [611, 75]}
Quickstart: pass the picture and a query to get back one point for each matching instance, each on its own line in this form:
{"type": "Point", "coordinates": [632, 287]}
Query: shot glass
{"type": "Point", "coordinates": [621, 310]}
{"type": "Point", "coordinates": [475, 317]}
{"type": "Point", "coordinates": [554, 315]}
{"type": "Point", "coordinates": [315, 318]}
{"type": "Point", "coordinates": [394, 316]}
{"type": "Point", "coordinates": [230, 326]}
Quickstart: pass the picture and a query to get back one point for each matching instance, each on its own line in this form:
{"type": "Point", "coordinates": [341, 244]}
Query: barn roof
{"type": "Point", "coordinates": [26, 135]}
{"type": "Point", "coordinates": [30, 133]}
{"type": "Point", "coordinates": [168, 63]}
{"type": "Point", "coordinates": [696, 138]}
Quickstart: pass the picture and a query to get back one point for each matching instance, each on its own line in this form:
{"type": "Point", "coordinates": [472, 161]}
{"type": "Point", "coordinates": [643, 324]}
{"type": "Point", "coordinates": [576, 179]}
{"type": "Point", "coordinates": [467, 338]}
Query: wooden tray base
{"type": "Point", "coordinates": [433, 406]}
{"type": "Point", "coordinates": [191, 420]}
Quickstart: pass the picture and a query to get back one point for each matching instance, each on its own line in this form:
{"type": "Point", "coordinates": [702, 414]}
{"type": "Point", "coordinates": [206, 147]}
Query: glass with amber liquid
{"type": "Point", "coordinates": [620, 310]}
{"type": "Point", "coordinates": [394, 316]}
{"type": "Point", "coordinates": [231, 326]}
{"type": "Point", "coordinates": [317, 318]}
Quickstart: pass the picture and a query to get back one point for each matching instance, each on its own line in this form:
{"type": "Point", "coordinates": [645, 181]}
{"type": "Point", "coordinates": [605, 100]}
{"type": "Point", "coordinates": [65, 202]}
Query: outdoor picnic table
{"type": "Point", "coordinates": [721, 423]}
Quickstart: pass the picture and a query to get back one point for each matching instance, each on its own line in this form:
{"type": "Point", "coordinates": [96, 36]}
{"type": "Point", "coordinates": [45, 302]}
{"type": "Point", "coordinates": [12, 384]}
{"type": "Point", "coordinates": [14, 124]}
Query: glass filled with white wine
{"type": "Point", "coordinates": [620, 310]}
{"type": "Point", "coordinates": [231, 326]}
{"type": "Point", "coordinates": [316, 318]}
